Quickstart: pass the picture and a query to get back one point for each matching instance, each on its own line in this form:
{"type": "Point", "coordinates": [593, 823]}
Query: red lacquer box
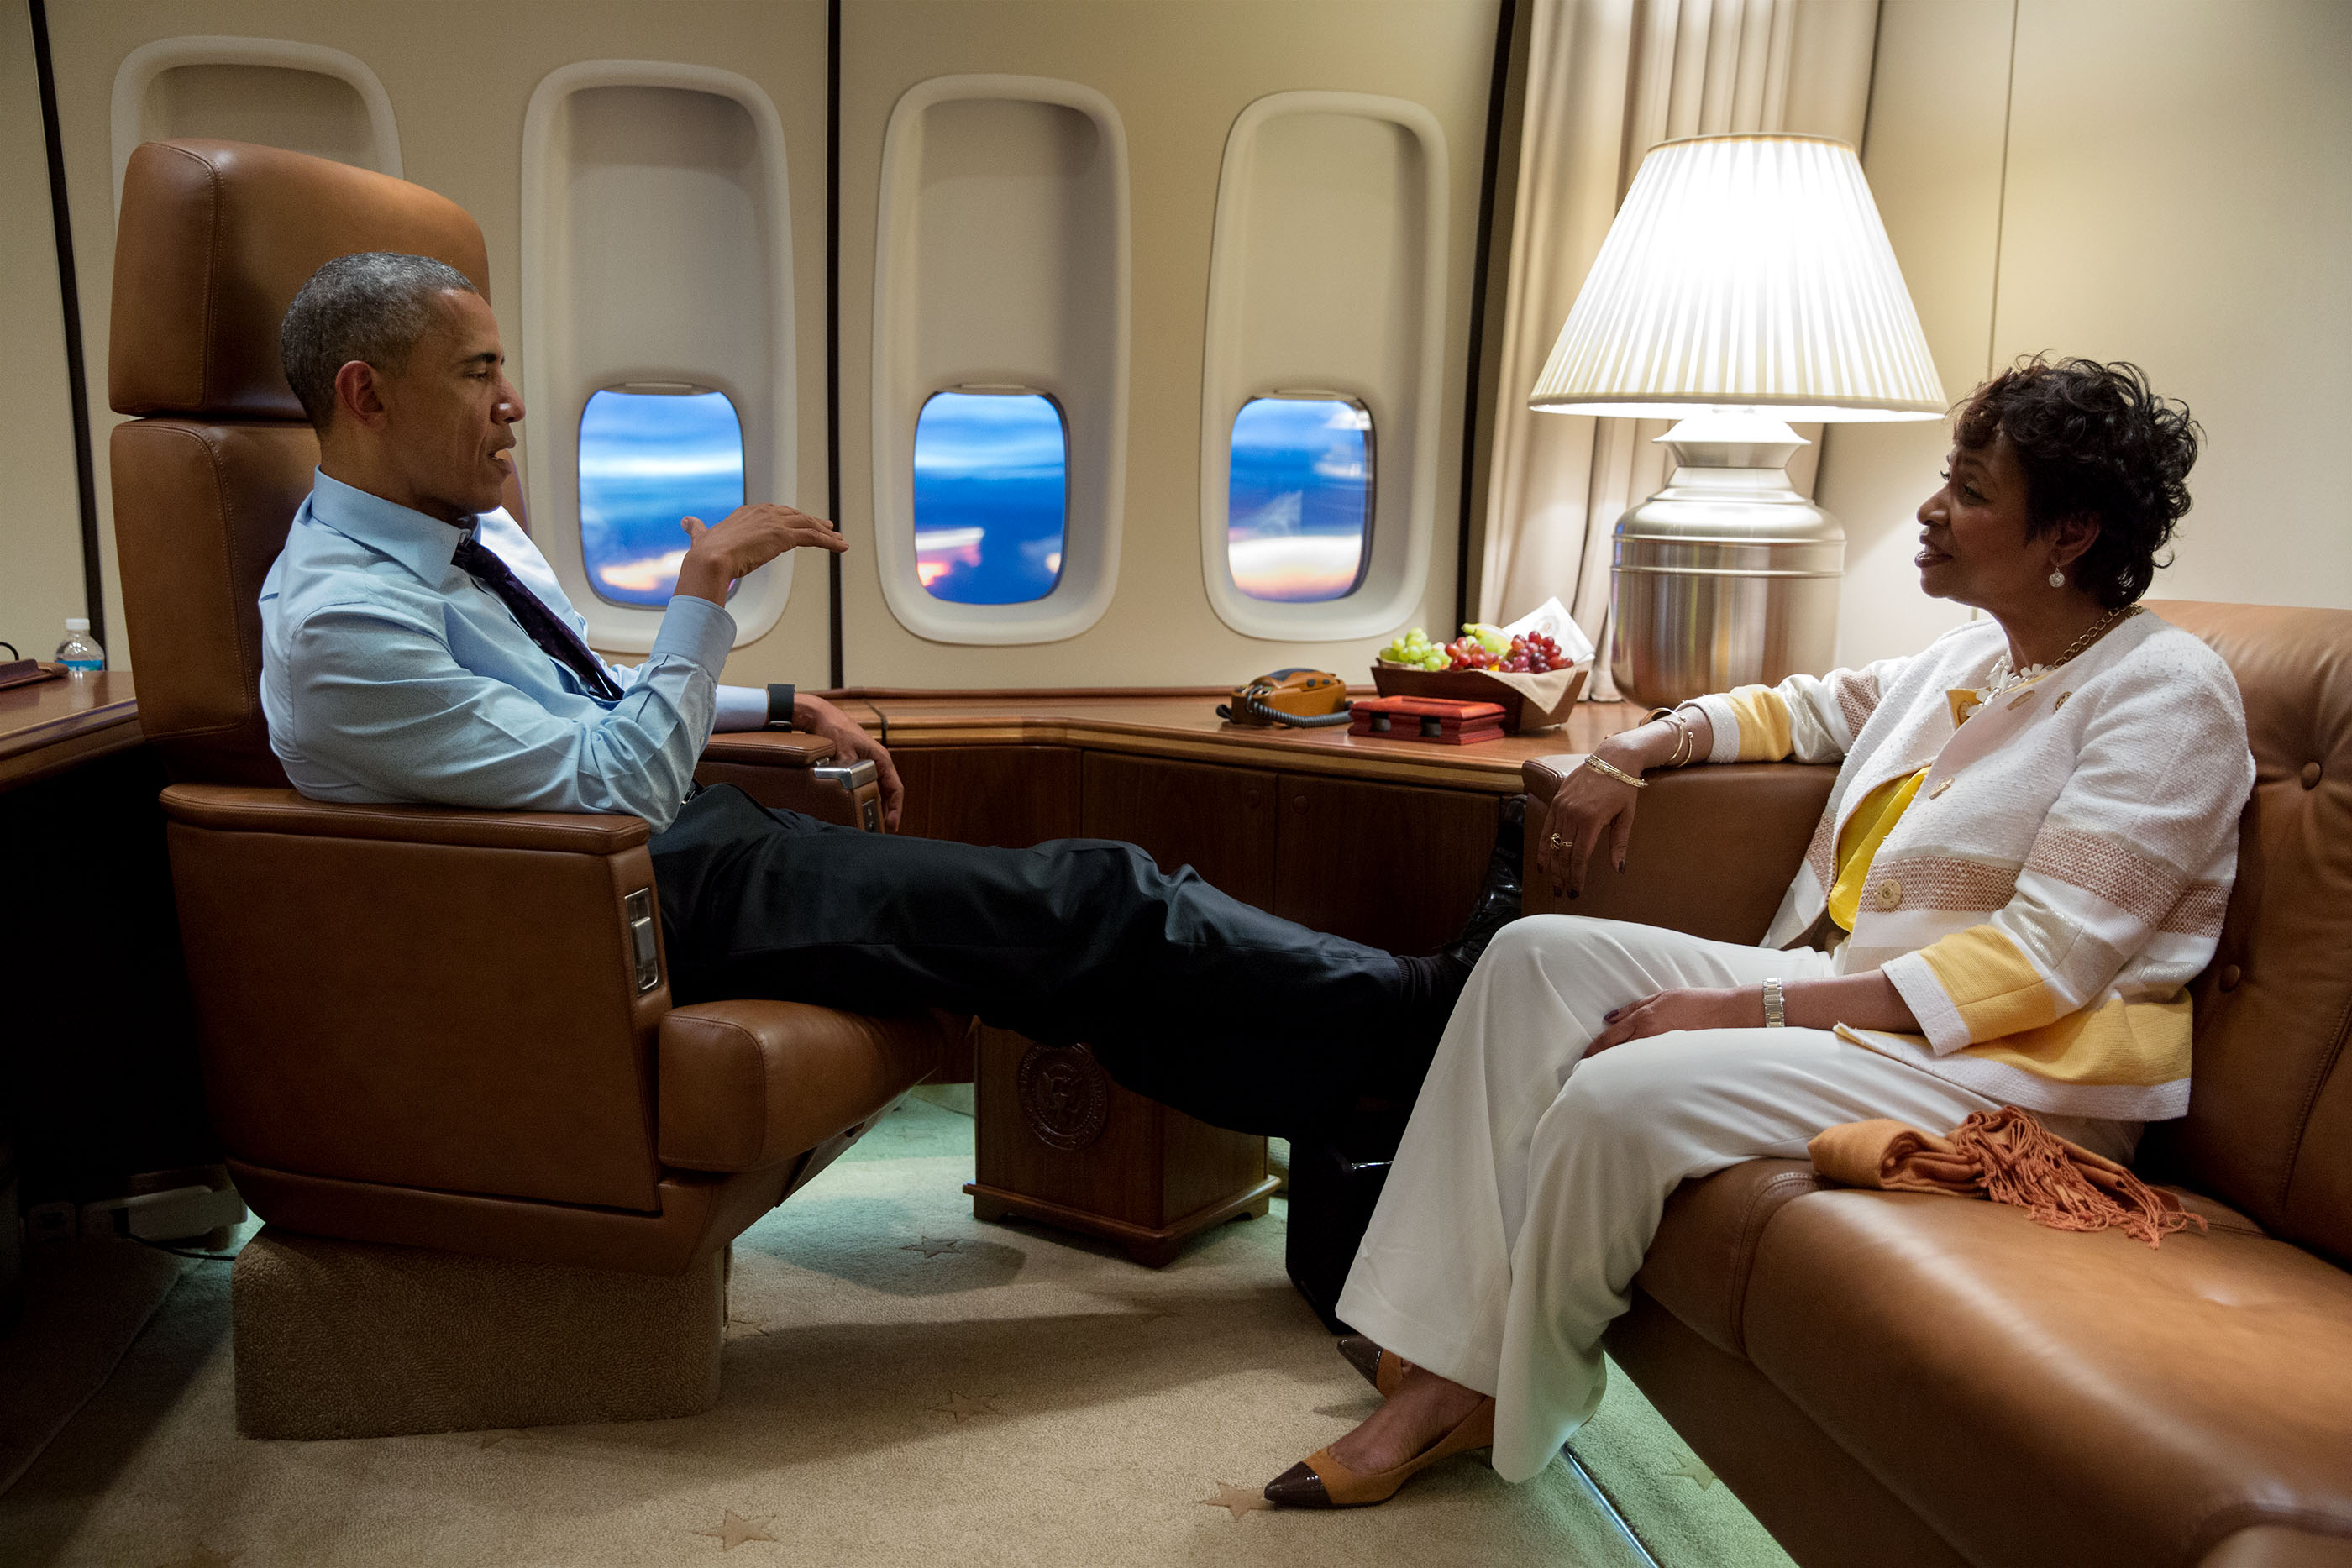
{"type": "Point", "coordinates": [1435, 719]}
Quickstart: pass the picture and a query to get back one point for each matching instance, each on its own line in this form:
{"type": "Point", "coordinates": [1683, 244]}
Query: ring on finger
{"type": "Point", "coordinates": [1556, 842]}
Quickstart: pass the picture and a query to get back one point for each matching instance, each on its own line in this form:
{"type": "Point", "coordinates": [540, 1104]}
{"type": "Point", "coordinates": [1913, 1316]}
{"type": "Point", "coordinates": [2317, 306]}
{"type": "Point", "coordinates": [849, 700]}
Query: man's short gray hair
{"type": "Point", "coordinates": [371, 306]}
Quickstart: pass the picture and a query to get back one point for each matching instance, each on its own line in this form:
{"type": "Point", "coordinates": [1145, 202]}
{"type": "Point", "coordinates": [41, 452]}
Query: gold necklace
{"type": "Point", "coordinates": [2003, 679]}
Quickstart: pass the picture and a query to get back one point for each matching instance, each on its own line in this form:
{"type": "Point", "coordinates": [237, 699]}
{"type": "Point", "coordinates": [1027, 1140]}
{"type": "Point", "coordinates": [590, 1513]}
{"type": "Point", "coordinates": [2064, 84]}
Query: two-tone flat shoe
{"type": "Point", "coordinates": [1383, 1369]}
{"type": "Point", "coordinates": [1320, 1480]}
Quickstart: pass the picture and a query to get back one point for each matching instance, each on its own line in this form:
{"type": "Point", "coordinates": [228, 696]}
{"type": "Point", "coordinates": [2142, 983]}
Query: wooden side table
{"type": "Point", "coordinates": [1059, 1142]}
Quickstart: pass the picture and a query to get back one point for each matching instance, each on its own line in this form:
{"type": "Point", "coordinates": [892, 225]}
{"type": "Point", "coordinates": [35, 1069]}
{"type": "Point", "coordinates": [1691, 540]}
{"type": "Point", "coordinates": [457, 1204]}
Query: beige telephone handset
{"type": "Point", "coordinates": [1306, 699]}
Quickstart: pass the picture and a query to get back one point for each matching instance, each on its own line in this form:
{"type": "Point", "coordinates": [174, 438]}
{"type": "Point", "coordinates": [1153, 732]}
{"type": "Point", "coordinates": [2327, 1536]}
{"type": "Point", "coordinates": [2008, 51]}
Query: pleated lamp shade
{"type": "Point", "coordinates": [1745, 271]}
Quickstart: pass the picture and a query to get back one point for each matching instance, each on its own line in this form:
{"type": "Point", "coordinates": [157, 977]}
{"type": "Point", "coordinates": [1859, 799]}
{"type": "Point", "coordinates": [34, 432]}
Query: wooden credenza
{"type": "Point", "coordinates": [1384, 842]}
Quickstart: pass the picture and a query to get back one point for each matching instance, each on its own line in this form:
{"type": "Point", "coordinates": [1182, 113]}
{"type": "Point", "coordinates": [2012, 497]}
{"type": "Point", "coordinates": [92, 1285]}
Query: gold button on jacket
{"type": "Point", "coordinates": [1890, 895]}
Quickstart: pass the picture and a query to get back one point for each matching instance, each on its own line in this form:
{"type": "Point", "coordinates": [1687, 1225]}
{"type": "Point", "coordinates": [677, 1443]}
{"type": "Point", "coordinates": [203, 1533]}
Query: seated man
{"type": "Point", "coordinates": [416, 648]}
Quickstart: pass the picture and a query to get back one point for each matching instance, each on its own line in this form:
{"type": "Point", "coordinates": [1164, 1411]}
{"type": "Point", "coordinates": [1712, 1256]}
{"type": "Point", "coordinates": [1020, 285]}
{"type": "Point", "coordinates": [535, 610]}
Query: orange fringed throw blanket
{"type": "Point", "coordinates": [2008, 1157]}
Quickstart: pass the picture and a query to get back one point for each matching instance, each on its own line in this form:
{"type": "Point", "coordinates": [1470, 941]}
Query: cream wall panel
{"type": "Point", "coordinates": [459, 74]}
{"type": "Point", "coordinates": [1179, 73]}
{"type": "Point", "coordinates": [1940, 93]}
{"type": "Point", "coordinates": [40, 526]}
{"type": "Point", "coordinates": [2179, 194]}
{"type": "Point", "coordinates": [2192, 213]}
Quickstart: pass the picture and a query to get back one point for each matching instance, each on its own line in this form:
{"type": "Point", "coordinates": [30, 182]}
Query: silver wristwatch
{"type": "Point", "coordinates": [1776, 1014]}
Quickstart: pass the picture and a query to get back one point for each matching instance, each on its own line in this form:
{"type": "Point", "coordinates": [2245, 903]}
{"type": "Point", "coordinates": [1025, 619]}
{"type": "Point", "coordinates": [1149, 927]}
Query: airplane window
{"type": "Point", "coordinates": [650, 458]}
{"type": "Point", "coordinates": [992, 495]}
{"type": "Point", "coordinates": [1299, 510]}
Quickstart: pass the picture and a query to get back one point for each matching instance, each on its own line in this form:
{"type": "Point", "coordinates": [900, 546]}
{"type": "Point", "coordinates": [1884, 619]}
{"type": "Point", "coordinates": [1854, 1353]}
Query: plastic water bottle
{"type": "Point", "coordinates": [80, 652]}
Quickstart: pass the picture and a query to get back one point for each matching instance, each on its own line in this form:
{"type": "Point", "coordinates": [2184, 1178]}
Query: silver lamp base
{"type": "Point", "coordinates": [1726, 577]}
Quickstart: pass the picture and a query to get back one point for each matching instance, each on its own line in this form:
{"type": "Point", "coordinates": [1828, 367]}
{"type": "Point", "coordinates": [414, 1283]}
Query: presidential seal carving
{"type": "Point", "coordinates": [1065, 1095]}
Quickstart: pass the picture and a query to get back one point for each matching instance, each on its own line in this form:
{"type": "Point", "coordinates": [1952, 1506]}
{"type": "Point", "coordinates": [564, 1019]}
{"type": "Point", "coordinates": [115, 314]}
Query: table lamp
{"type": "Point", "coordinates": [1746, 282]}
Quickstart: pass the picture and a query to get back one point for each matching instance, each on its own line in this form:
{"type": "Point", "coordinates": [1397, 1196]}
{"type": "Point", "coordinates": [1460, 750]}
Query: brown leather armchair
{"type": "Point", "coordinates": [500, 1171]}
{"type": "Point", "coordinates": [1896, 1379]}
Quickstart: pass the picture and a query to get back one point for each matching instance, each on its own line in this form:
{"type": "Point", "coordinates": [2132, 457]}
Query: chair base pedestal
{"type": "Point", "coordinates": [347, 1339]}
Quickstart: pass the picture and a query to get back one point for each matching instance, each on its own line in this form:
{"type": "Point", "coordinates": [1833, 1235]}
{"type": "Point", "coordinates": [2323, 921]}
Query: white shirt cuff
{"type": "Point", "coordinates": [742, 708]}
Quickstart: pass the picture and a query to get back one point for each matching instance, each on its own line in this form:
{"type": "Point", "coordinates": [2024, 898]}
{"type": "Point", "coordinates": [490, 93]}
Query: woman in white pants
{"type": "Point", "coordinates": [2023, 861]}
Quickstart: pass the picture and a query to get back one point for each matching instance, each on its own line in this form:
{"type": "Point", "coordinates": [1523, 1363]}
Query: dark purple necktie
{"type": "Point", "coordinates": [548, 629]}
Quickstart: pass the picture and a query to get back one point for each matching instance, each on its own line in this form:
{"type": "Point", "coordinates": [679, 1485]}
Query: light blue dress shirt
{"type": "Point", "coordinates": [389, 675]}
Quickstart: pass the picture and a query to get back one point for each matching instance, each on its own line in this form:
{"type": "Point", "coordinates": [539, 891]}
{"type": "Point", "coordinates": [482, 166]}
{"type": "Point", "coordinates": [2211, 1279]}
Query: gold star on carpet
{"type": "Point", "coordinates": [961, 1407]}
{"type": "Point", "coordinates": [734, 1529]}
{"type": "Point", "coordinates": [929, 1247]}
{"type": "Point", "coordinates": [1236, 1501]}
{"type": "Point", "coordinates": [1692, 1471]}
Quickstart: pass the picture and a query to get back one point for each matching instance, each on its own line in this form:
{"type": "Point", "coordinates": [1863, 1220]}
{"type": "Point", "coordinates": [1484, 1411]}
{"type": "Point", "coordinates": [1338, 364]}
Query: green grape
{"type": "Point", "coordinates": [1488, 637]}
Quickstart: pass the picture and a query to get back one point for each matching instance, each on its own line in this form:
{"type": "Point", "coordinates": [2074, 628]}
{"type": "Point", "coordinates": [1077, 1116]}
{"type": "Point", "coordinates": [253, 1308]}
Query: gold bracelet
{"type": "Point", "coordinates": [1610, 770]}
{"type": "Point", "coordinates": [1673, 716]}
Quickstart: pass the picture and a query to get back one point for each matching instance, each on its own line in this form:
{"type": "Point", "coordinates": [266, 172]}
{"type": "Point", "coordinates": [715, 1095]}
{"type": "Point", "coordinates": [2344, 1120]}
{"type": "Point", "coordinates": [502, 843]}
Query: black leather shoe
{"type": "Point", "coordinates": [1500, 894]}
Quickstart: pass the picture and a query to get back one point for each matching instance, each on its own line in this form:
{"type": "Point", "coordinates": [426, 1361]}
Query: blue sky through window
{"type": "Point", "coordinates": [1298, 510]}
{"type": "Point", "coordinates": [647, 461]}
{"type": "Point", "coordinates": [992, 496]}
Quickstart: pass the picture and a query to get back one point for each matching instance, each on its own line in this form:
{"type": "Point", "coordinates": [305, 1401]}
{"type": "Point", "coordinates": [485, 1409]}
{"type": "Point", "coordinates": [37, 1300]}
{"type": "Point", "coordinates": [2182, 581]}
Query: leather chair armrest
{"type": "Point", "coordinates": [1714, 846]}
{"type": "Point", "coordinates": [785, 770]}
{"type": "Point", "coordinates": [747, 1084]}
{"type": "Point", "coordinates": [768, 748]}
{"type": "Point", "coordinates": [244, 810]}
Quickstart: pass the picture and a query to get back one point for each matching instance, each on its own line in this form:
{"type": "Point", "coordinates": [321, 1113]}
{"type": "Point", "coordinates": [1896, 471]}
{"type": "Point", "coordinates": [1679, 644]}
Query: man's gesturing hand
{"type": "Point", "coordinates": [749, 539]}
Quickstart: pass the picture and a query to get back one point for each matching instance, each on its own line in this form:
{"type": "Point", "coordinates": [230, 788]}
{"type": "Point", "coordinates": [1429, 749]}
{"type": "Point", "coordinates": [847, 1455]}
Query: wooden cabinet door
{"type": "Point", "coordinates": [1007, 796]}
{"type": "Point", "coordinates": [1387, 865]}
{"type": "Point", "coordinates": [1218, 821]}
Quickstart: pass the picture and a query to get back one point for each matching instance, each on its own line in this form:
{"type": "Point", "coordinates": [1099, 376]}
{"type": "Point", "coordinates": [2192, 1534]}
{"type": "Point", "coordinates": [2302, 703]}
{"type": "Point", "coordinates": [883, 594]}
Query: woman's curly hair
{"type": "Point", "coordinates": [2093, 441]}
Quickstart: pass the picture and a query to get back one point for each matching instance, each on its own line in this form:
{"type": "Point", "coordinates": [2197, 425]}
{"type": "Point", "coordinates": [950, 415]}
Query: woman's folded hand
{"type": "Point", "coordinates": [1687, 1006]}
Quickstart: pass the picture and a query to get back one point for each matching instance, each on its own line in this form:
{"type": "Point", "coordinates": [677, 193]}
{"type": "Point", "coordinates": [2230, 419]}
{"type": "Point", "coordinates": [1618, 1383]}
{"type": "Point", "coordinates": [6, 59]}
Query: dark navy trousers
{"type": "Point", "coordinates": [1184, 993]}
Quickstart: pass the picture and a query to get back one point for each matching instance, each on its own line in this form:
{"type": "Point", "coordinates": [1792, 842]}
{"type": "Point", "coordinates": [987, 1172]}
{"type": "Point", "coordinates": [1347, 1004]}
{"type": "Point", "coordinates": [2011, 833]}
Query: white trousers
{"type": "Point", "coordinates": [1531, 1181]}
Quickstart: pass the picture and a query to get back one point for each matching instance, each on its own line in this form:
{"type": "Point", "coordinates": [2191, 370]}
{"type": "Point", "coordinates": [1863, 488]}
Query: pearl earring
{"type": "Point", "coordinates": [2057, 579]}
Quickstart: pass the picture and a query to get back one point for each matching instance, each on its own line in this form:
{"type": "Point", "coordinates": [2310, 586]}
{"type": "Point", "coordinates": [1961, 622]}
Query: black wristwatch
{"type": "Point", "coordinates": [779, 705]}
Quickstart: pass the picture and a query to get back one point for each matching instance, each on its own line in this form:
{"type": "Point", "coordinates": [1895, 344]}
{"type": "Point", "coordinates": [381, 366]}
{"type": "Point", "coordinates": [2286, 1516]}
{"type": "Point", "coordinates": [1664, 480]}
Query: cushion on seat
{"type": "Point", "coordinates": [747, 1084]}
{"type": "Point", "coordinates": [2049, 1396]}
{"type": "Point", "coordinates": [1699, 1263]}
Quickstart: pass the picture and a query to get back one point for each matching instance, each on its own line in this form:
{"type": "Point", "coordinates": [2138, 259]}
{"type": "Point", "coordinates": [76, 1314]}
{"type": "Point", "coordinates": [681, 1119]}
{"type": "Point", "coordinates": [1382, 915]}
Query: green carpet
{"type": "Point", "coordinates": [903, 1384]}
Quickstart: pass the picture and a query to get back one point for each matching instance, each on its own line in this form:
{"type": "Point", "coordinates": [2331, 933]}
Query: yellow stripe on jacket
{"type": "Point", "coordinates": [1764, 723]}
{"type": "Point", "coordinates": [1859, 840]}
{"type": "Point", "coordinates": [2018, 1022]}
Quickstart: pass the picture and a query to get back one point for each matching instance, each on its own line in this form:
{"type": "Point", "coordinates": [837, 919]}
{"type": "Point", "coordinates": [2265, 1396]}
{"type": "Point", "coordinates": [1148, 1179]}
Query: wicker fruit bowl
{"type": "Point", "coordinates": [1529, 701]}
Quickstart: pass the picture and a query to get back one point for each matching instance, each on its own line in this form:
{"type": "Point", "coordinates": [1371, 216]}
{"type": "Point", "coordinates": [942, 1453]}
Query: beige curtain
{"type": "Point", "coordinates": [1607, 80]}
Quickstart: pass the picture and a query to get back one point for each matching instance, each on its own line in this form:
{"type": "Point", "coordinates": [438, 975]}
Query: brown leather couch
{"type": "Point", "coordinates": [443, 1029]}
{"type": "Point", "coordinates": [1896, 1378]}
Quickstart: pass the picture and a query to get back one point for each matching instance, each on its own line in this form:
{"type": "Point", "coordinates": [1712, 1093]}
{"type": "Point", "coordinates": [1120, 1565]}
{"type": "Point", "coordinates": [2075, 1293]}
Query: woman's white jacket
{"type": "Point", "coordinates": [2060, 874]}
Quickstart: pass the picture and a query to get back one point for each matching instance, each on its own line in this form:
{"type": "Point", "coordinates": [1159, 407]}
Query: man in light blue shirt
{"type": "Point", "coordinates": [415, 648]}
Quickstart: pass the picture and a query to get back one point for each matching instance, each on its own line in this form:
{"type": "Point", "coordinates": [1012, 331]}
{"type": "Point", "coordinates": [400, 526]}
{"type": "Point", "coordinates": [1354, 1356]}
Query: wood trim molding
{"type": "Point", "coordinates": [1180, 725]}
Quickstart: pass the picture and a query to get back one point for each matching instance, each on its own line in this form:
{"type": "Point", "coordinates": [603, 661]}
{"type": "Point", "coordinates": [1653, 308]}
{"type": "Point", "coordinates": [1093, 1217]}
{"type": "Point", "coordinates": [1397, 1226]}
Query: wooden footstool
{"type": "Point", "coordinates": [1059, 1142]}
